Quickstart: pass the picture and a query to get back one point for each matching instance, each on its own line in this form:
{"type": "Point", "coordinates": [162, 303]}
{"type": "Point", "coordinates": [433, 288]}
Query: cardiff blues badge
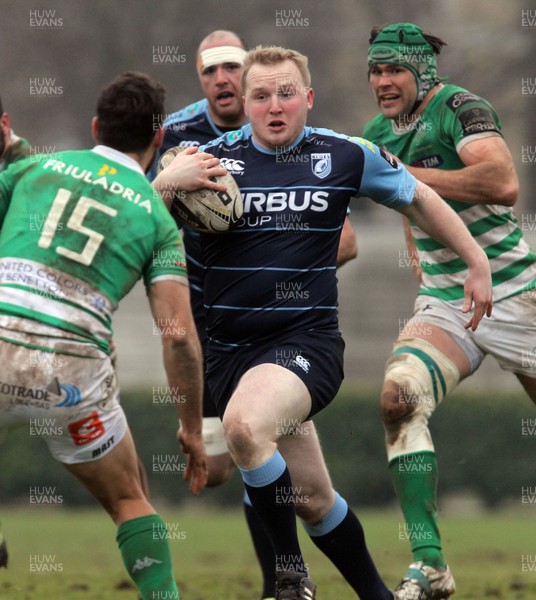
{"type": "Point", "coordinates": [321, 164]}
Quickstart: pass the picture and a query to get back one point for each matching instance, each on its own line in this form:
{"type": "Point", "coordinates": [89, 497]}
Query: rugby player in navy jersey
{"type": "Point", "coordinates": [270, 293]}
{"type": "Point", "coordinates": [220, 59]}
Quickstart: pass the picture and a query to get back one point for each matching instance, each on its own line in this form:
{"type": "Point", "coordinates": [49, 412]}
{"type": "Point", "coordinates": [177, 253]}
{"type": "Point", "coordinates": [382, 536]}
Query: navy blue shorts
{"type": "Point", "coordinates": [196, 301]}
{"type": "Point", "coordinates": [316, 357]}
{"type": "Point", "coordinates": [209, 408]}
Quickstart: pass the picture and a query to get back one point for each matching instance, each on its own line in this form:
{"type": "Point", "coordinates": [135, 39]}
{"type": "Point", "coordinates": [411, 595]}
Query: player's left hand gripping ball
{"type": "Point", "coordinates": [206, 210]}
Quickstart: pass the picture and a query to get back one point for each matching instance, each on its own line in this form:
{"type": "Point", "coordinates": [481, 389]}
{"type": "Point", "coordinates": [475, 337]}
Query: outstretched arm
{"type": "Point", "coordinates": [440, 222]}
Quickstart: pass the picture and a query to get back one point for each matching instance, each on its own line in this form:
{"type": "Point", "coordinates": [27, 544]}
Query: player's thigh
{"type": "Point", "coordinates": [266, 396]}
{"type": "Point", "coordinates": [114, 480]}
{"type": "Point", "coordinates": [311, 482]}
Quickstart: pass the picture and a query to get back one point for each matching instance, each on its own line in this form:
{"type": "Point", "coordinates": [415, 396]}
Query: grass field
{"type": "Point", "coordinates": [214, 559]}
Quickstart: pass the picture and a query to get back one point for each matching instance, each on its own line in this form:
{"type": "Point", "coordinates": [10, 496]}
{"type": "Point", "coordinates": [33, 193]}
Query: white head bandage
{"type": "Point", "coordinates": [222, 54]}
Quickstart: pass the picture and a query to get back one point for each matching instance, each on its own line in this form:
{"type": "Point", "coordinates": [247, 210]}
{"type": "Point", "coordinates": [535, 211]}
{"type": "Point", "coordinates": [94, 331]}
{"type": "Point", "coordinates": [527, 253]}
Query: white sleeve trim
{"type": "Point", "coordinates": [472, 138]}
{"type": "Point", "coordinates": [170, 277]}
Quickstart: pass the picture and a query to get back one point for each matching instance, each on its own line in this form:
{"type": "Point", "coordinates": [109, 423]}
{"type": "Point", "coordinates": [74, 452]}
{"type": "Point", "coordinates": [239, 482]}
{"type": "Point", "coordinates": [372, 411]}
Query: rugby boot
{"type": "Point", "coordinates": [422, 582]}
{"type": "Point", "coordinates": [294, 585]}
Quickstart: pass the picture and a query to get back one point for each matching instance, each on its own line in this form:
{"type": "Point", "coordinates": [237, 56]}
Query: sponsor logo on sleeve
{"type": "Point", "coordinates": [477, 120]}
{"type": "Point", "coordinates": [460, 98]}
{"type": "Point", "coordinates": [389, 159]}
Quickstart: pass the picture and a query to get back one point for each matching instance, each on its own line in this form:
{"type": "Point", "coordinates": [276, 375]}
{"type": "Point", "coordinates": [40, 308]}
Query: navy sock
{"type": "Point", "coordinates": [341, 538]}
{"type": "Point", "coordinates": [263, 548]}
{"type": "Point", "coordinates": [269, 488]}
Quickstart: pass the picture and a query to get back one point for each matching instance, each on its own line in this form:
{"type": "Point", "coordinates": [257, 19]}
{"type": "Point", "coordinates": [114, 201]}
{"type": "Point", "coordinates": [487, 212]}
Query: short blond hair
{"type": "Point", "coordinates": [273, 55]}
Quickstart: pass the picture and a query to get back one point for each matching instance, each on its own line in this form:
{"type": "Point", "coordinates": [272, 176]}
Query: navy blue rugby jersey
{"type": "Point", "coordinates": [275, 273]}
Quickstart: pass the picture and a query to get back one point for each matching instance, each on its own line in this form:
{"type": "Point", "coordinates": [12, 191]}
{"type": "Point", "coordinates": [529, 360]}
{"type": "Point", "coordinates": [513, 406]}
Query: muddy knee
{"type": "Point", "coordinates": [417, 377]}
{"type": "Point", "coordinates": [395, 405]}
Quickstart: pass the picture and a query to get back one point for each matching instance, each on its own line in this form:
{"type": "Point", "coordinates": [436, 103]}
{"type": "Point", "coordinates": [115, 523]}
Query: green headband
{"type": "Point", "coordinates": [404, 44]}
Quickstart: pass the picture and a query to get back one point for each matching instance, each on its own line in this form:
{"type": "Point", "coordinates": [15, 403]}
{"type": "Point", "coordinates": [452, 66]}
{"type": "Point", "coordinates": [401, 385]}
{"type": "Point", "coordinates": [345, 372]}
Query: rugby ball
{"type": "Point", "coordinates": [206, 210]}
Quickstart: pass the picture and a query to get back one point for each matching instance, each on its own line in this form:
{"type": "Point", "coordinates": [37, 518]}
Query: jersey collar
{"type": "Point", "coordinates": [118, 157]}
{"type": "Point", "coordinates": [274, 152]}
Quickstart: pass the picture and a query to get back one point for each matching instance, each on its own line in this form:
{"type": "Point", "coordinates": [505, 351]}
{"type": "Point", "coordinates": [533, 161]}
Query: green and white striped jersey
{"type": "Point", "coordinates": [453, 118]}
{"type": "Point", "coordinates": [78, 229]}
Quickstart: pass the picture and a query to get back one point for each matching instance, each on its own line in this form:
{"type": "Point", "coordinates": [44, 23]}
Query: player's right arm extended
{"type": "Point", "coordinates": [429, 212]}
{"type": "Point", "coordinates": [170, 305]}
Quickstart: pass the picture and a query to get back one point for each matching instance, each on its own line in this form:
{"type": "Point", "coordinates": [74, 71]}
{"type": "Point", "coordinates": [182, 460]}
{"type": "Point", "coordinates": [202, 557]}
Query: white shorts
{"type": "Point", "coordinates": [509, 335]}
{"type": "Point", "coordinates": [71, 402]}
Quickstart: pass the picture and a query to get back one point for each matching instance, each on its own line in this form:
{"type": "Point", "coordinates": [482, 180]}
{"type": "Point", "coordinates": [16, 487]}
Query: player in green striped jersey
{"type": "Point", "coordinates": [450, 139]}
{"type": "Point", "coordinates": [78, 229]}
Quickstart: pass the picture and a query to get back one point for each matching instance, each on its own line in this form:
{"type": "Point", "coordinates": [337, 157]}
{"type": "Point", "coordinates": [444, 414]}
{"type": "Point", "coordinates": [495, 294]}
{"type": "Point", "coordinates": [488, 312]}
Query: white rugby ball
{"type": "Point", "coordinates": [206, 210]}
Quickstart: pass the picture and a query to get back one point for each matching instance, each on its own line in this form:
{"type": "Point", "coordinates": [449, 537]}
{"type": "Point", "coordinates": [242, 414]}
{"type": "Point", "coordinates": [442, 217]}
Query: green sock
{"type": "Point", "coordinates": [415, 480]}
{"type": "Point", "coordinates": [145, 549]}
